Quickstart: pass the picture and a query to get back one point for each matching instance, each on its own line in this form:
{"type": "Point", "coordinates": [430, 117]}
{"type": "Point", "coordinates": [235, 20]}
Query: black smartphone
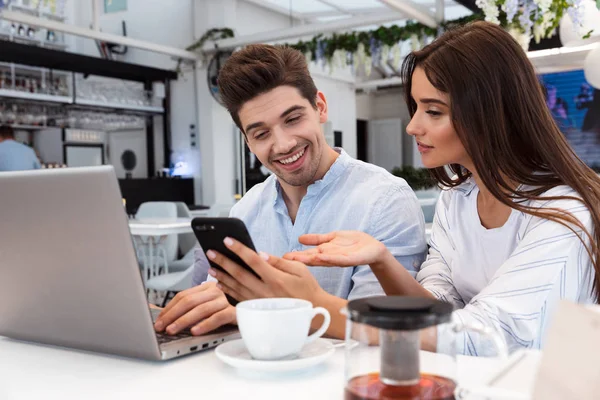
{"type": "Point", "coordinates": [211, 232]}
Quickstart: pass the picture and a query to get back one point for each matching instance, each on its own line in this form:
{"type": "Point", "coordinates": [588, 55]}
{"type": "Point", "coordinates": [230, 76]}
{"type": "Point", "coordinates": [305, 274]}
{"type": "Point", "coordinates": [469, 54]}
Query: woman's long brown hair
{"type": "Point", "coordinates": [499, 113]}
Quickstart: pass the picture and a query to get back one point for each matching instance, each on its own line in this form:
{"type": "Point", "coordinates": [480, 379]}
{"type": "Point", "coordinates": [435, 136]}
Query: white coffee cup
{"type": "Point", "coordinates": [276, 328]}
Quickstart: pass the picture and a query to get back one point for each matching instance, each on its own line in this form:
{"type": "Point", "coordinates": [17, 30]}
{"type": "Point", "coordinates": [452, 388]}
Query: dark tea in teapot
{"type": "Point", "coordinates": [370, 387]}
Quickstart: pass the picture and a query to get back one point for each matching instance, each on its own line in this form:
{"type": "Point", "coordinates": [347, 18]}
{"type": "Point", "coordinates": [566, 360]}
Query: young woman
{"type": "Point", "coordinates": [514, 230]}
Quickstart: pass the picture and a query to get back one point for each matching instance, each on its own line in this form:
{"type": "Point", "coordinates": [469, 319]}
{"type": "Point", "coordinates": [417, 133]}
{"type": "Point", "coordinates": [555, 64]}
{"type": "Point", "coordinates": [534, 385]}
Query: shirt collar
{"type": "Point", "coordinates": [466, 187]}
{"type": "Point", "coordinates": [337, 168]}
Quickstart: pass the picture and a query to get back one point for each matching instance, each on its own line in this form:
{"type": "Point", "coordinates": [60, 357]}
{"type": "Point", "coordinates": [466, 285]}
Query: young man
{"type": "Point", "coordinates": [15, 156]}
{"type": "Point", "coordinates": [314, 189]}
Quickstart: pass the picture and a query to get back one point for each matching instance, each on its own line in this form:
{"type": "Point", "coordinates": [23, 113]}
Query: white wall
{"type": "Point", "coordinates": [341, 103]}
{"type": "Point", "coordinates": [388, 104]}
{"type": "Point", "coordinates": [363, 106]}
{"type": "Point", "coordinates": [385, 142]}
{"type": "Point", "coordinates": [163, 22]}
{"type": "Point", "coordinates": [382, 104]}
{"type": "Point", "coordinates": [252, 19]}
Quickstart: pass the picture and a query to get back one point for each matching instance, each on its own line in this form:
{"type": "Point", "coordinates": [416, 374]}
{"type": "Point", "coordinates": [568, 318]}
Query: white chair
{"type": "Point", "coordinates": [172, 282]}
{"type": "Point", "coordinates": [185, 243]}
{"type": "Point", "coordinates": [166, 247]}
{"type": "Point", "coordinates": [428, 199]}
{"type": "Point", "coordinates": [219, 210]}
{"type": "Point", "coordinates": [184, 262]}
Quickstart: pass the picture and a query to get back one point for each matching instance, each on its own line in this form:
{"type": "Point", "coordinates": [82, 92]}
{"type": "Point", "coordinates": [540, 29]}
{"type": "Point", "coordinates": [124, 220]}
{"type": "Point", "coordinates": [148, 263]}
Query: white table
{"type": "Point", "coordinates": [155, 230]}
{"type": "Point", "coordinates": [33, 371]}
{"type": "Point", "coordinates": [159, 226]}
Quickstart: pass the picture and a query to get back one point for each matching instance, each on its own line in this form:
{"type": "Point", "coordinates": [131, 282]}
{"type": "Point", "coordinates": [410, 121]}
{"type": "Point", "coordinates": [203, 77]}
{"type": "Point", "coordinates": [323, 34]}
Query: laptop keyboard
{"type": "Point", "coordinates": [166, 338]}
{"type": "Point", "coordinates": [163, 337]}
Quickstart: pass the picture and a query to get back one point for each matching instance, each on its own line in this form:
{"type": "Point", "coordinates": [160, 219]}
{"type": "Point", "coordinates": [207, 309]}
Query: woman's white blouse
{"type": "Point", "coordinates": [509, 279]}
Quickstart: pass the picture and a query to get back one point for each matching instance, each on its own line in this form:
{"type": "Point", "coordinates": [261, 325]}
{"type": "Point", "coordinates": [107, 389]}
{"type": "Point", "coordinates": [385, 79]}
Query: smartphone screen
{"type": "Point", "coordinates": [211, 232]}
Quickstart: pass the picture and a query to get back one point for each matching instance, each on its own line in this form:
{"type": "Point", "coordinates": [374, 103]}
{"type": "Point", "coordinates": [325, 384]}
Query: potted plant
{"type": "Point", "coordinates": [425, 187]}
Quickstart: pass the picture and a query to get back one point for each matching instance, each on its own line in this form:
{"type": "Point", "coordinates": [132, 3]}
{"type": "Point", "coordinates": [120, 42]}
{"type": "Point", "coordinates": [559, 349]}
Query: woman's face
{"type": "Point", "coordinates": [432, 126]}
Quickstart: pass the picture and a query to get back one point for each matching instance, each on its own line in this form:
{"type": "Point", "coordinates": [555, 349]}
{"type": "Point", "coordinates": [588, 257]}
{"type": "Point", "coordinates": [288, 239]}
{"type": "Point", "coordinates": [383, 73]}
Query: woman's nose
{"type": "Point", "coordinates": [413, 127]}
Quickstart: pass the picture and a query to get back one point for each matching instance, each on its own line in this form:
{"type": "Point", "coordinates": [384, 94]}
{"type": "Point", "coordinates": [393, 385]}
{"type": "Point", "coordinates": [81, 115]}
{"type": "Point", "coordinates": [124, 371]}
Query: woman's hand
{"type": "Point", "coordinates": [339, 249]}
{"type": "Point", "coordinates": [278, 277]}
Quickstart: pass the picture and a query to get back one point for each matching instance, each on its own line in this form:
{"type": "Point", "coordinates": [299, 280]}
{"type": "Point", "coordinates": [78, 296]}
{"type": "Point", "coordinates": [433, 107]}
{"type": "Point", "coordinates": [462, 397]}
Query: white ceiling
{"type": "Point", "coordinates": [315, 11]}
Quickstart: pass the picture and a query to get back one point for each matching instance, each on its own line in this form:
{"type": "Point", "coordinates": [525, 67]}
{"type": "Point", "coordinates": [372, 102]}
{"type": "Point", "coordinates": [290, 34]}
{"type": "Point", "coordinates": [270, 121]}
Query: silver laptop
{"type": "Point", "coordinates": [68, 270]}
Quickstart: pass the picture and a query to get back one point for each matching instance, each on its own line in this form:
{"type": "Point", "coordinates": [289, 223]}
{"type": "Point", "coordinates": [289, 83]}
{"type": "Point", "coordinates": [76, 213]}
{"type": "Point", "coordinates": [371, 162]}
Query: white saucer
{"type": "Point", "coordinates": [235, 354]}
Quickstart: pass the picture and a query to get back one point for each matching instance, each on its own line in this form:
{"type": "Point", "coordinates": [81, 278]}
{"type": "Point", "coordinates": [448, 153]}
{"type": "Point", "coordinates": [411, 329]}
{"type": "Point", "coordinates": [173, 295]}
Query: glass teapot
{"type": "Point", "coordinates": [383, 342]}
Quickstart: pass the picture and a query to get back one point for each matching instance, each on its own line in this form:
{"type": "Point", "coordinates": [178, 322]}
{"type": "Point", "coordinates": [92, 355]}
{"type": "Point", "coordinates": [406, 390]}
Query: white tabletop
{"type": "Point", "coordinates": [159, 226]}
{"type": "Point", "coordinates": [33, 371]}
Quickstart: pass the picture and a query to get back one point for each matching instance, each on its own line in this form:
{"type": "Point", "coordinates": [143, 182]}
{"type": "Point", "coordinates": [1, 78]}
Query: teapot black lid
{"type": "Point", "coordinates": [399, 312]}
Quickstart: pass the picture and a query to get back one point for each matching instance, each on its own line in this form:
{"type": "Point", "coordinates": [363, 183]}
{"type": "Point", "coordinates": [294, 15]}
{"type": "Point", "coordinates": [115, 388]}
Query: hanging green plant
{"type": "Point", "coordinates": [326, 46]}
{"type": "Point", "coordinates": [211, 34]}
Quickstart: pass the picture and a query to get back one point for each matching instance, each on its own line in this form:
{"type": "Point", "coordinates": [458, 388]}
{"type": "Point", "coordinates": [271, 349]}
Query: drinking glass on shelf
{"type": "Point", "coordinates": [10, 115]}
{"type": "Point", "coordinates": [26, 115]}
{"type": "Point", "coordinates": [71, 121]}
{"type": "Point", "coordinates": [4, 81]}
{"type": "Point", "coordinates": [83, 90]}
{"type": "Point", "coordinates": [19, 84]}
{"type": "Point", "coordinates": [38, 116]}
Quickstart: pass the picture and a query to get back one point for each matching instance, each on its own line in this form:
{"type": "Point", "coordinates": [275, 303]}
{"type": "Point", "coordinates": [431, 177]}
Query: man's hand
{"type": "Point", "coordinates": [278, 277]}
{"type": "Point", "coordinates": [202, 308]}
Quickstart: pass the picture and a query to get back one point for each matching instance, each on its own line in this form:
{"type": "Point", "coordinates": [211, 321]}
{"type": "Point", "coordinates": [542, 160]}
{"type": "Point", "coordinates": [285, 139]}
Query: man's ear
{"type": "Point", "coordinates": [322, 107]}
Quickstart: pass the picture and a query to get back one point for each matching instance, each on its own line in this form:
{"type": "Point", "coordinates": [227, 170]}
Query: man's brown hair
{"type": "Point", "coordinates": [7, 132]}
{"type": "Point", "coordinates": [259, 68]}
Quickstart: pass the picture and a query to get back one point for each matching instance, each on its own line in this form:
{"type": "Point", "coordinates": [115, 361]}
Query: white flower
{"type": "Point", "coordinates": [368, 65]}
{"type": "Point", "coordinates": [490, 10]}
{"type": "Point", "coordinates": [510, 7]}
{"type": "Point", "coordinates": [385, 53]}
{"type": "Point", "coordinates": [543, 5]}
{"type": "Point", "coordinates": [415, 44]}
{"type": "Point", "coordinates": [522, 38]}
{"type": "Point", "coordinates": [360, 53]}
{"type": "Point", "coordinates": [396, 55]}
{"type": "Point", "coordinates": [576, 11]}
{"type": "Point", "coordinates": [308, 56]}
{"type": "Point", "coordinates": [539, 29]}
{"type": "Point", "coordinates": [342, 58]}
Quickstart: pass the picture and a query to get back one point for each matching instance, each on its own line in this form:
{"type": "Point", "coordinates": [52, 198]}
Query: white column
{"type": "Point", "coordinates": [440, 9]}
{"type": "Point", "coordinates": [215, 180]}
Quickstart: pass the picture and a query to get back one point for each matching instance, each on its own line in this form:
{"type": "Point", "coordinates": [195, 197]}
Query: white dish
{"type": "Point", "coordinates": [234, 353]}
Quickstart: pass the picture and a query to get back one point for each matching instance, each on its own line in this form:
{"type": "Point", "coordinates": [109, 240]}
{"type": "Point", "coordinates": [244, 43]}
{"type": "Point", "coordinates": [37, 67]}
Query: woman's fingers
{"type": "Point", "coordinates": [315, 239]}
{"type": "Point", "coordinates": [287, 266]}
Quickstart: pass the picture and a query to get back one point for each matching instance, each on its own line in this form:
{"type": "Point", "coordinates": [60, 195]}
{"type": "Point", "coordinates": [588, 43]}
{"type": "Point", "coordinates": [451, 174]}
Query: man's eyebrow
{"type": "Point", "coordinates": [283, 115]}
{"type": "Point", "coordinates": [291, 110]}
